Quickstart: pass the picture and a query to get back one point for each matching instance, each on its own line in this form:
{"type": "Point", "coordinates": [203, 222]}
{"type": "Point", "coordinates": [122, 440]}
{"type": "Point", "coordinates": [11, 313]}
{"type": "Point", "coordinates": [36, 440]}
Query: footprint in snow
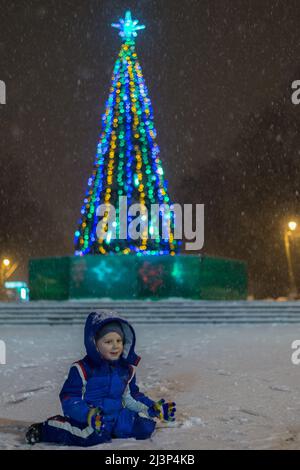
{"type": "Point", "coordinates": [282, 388]}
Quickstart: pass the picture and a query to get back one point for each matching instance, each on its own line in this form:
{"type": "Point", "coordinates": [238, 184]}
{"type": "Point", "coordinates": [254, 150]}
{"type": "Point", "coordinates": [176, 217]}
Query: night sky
{"type": "Point", "coordinates": [219, 75]}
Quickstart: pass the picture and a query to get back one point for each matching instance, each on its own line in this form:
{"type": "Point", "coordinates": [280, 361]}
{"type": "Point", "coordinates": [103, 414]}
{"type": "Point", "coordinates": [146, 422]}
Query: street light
{"type": "Point", "coordinates": [6, 270]}
{"type": "Point", "coordinates": [292, 225]}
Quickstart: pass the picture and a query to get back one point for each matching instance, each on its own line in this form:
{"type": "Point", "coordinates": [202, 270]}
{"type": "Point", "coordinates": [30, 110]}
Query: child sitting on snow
{"type": "Point", "coordinates": [100, 398]}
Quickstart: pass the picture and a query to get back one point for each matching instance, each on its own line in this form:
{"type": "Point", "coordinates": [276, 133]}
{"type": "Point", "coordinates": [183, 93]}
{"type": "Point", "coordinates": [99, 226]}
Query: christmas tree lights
{"type": "Point", "coordinates": [127, 164]}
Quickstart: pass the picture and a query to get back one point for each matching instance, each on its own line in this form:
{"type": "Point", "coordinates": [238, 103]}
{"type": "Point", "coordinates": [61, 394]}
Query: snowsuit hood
{"type": "Point", "coordinates": [95, 321]}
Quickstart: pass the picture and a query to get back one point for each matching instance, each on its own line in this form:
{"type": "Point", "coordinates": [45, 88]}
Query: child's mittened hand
{"type": "Point", "coordinates": [162, 410]}
{"type": "Point", "coordinates": [95, 420]}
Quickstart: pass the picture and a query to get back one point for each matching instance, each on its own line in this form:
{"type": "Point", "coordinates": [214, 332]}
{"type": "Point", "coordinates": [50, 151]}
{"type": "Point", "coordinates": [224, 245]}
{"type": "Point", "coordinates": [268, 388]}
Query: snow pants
{"type": "Point", "coordinates": [65, 431]}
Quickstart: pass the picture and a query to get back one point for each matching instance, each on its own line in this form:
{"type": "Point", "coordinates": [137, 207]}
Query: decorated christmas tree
{"type": "Point", "coordinates": [127, 168]}
{"type": "Point", "coordinates": [127, 211]}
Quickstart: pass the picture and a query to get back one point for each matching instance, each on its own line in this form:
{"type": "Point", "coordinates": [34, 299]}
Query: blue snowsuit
{"type": "Point", "coordinates": [110, 385]}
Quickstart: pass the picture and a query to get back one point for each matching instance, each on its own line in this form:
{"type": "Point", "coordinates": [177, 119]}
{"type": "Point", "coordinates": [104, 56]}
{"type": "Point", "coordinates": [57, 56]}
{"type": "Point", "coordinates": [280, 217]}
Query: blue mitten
{"type": "Point", "coordinates": [95, 420]}
{"type": "Point", "coordinates": [162, 410]}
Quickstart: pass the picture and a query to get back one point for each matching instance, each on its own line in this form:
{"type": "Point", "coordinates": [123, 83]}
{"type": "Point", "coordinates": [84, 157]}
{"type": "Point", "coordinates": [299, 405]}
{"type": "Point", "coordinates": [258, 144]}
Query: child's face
{"type": "Point", "coordinates": [110, 346]}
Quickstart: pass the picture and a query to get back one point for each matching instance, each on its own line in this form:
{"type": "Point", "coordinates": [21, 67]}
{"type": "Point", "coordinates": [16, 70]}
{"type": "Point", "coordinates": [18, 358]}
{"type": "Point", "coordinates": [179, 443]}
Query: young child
{"type": "Point", "coordinates": [100, 398]}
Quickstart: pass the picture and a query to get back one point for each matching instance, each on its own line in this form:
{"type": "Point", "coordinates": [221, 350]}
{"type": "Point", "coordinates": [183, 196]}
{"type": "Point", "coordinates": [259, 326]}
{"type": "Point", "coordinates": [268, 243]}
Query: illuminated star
{"type": "Point", "coordinates": [128, 28]}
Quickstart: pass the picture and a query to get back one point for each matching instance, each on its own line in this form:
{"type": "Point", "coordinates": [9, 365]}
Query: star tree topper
{"type": "Point", "coordinates": [128, 28]}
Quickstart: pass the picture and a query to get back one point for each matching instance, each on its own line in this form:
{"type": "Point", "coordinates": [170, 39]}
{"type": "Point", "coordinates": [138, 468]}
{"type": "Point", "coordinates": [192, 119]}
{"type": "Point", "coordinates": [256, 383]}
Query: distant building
{"type": "Point", "coordinates": [17, 291]}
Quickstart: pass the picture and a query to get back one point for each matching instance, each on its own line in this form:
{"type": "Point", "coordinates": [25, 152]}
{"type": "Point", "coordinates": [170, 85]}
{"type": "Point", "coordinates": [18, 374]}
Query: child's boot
{"type": "Point", "coordinates": [34, 433]}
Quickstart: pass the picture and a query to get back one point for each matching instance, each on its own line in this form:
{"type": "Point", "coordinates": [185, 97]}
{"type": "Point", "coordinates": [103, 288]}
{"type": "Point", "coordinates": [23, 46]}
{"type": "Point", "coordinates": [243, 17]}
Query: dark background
{"type": "Point", "coordinates": [219, 75]}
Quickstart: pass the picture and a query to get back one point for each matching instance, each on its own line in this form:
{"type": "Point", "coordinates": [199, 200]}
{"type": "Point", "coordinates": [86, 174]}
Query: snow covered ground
{"type": "Point", "coordinates": [235, 386]}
